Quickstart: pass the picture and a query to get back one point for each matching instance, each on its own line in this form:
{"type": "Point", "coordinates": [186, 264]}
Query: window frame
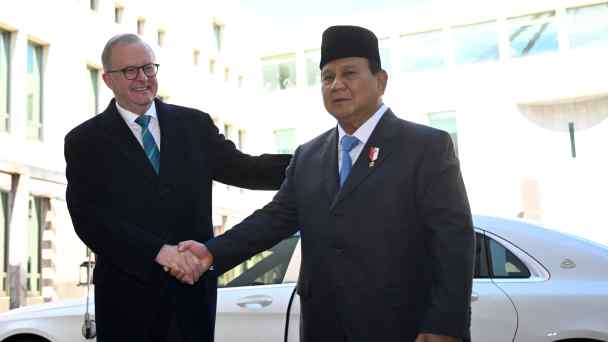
{"type": "Point", "coordinates": [94, 72]}
{"type": "Point", "coordinates": [289, 60]}
{"type": "Point", "coordinates": [119, 12]}
{"type": "Point", "coordinates": [570, 24]}
{"type": "Point", "coordinates": [33, 124]}
{"type": "Point", "coordinates": [6, 37]}
{"type": "Point", "coordinates": [515, 23]}
{"type": "Point", "coordinates": [35, 276]}
{"type": "Point", "coordinates": [538, 273]}
{"type": "Point", "coordinates": [454, 32]}
{"type": "Point", "coordinates": [248, 276]}
{"type": "Point", "coordinates": [405, 54]}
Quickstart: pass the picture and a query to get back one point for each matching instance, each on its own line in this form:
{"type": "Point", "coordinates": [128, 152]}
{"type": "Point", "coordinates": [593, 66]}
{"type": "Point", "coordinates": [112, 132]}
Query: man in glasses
{"type": "Point", "coordinates": [139, 182]}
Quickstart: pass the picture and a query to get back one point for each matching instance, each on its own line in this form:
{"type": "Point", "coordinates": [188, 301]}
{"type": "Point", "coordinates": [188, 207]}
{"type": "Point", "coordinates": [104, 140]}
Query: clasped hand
{"type": "Point", "coordinates": [187, 261]}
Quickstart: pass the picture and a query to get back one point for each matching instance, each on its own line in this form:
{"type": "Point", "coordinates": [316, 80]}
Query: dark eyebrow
{"type": "Point", "coordinates": [349, 67]}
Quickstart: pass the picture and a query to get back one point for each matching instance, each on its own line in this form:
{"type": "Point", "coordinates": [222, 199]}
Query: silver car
{"type": "Point", "coordinates": [531, 284]}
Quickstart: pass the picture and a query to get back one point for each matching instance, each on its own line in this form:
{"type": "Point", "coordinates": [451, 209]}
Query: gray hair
{"type": "Point", "coordinates": [123, 38]}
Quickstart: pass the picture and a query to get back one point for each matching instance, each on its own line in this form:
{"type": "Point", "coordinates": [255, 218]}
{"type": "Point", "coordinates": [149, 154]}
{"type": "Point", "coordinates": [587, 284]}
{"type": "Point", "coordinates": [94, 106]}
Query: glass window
{"type": "Point", "coordinates": [422, 51]}
{"type": "Point", "coordinates": [504, 264]}
{"type": "Point", "coordinates": [446, 121]}
{"type": "Point", "coordinates": [476, 43]}
{"type": "Point", "coordinates": [241, 139]}
{"type": "Point", "coordinates": [34, 269]}
{"type": "Point", "coordinates": [93, 90]}
{"type": "Point", "coordinates": [533, 34]}
{"type": "Point", "coordinates": [481, 257]}
{"type": "Point", "coordinates": [3, 240]}
{"type": "Point", "coordinates": [266, 268]}
{"type": "Point", "coordinates": [5, 59]}
{"type": "Point", "coordinates": [218, 34]}
{"type": "Point", "coordinates": [279, 72]}
{"type": "Point", "coordinates": [118, 13]}
{"type": "Point", "coordinates": [141, 26]}
{"type": "Point", "coordinates": [285, 140]}
{"type": "Point", "coordinates": [212, 66]}
{"type": "Point", "coordinates": [160, 38]}
{"type": "Point", "coordinates": [229, 132]}
{"type": "Point", "coordinates": [196, 55]}
{"type": "Point", "coordinates": [34, 91]}
{"type": "Point", "coordinates": [313, 74]}
{"type": "Point", "coordinates": [588, 26]}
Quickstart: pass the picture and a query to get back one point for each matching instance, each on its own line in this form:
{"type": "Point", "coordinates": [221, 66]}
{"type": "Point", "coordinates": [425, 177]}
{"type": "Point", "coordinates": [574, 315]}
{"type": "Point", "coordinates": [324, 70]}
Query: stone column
{"type": "Point", "coordinates": [18, 235]}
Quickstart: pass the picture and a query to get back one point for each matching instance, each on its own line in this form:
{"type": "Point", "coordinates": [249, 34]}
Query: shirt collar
{"type": "Point", "coordinates": [365, 131]}
{"type": "Point", "coordinates": [130, 117]}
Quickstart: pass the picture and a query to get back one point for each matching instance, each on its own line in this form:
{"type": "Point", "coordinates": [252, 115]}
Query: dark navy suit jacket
{"type": "Point", "coordinates": [125, 212]}
{"type": "Point", "coordinates": [387, 256]}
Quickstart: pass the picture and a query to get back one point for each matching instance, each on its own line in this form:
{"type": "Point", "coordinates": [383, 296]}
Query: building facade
{"type": "Point", "coordinates": [50, 81]}
{"type": "Point", "coordinates": [521, 86]}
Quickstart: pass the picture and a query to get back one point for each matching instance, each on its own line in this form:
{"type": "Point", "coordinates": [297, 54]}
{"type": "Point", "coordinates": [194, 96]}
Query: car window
{"type": "Point", "coordinates": [265, 268]}
{"type": "Point", "coordinates": [504, 264]}
{"type": "Point", "coordinates": [481, 257]}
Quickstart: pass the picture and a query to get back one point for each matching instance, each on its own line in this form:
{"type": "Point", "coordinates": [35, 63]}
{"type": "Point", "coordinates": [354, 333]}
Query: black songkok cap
{"type": "Point", "coordinates": [348, 41]}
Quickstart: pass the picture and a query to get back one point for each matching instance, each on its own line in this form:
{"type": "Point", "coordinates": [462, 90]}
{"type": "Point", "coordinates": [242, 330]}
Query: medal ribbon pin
{"type": "Point", "coordinates": [374, 152]}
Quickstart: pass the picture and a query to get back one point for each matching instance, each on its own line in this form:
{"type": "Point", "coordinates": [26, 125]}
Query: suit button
{"type": "Point", "coordinates": [165, 190]}
{"type": "Point", "coordinates": [338, 214]}
{"type": "Point", "coordinates": [339, 251]}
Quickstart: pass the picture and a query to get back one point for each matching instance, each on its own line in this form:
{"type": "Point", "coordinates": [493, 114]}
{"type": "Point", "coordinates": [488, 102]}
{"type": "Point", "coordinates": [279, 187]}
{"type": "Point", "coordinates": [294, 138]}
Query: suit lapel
{"type": "Point", "coordinates": [382, 139]}
{"type": "Point", "coordinates": [329, 163]}
{"type": "Point", "coordinates": [119, 135]}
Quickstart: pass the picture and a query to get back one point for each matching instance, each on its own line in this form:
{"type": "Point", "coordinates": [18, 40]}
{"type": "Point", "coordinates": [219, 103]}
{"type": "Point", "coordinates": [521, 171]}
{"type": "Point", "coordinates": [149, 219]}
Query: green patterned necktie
{"type": "Point", "coordinates": [150, 147]}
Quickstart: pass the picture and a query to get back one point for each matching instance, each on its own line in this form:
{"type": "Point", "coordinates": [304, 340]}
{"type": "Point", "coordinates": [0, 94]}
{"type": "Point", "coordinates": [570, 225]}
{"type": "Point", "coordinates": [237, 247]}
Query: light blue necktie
{"type": "Point", "coordinates": [150, 147]}
{"type": "Point", "coordinates": [347, 143]}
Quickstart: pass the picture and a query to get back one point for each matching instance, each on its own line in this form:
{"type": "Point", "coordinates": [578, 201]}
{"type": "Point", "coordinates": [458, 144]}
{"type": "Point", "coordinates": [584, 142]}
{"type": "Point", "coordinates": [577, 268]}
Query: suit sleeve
{"type": "Point", "coordinates": [232, 167]}
{"type": "Point", "coordinates": [129, 247]}
{"type": "Point", "coordinates": [261, 230]}
{"type": "Point", "coordinates": [446, 217]}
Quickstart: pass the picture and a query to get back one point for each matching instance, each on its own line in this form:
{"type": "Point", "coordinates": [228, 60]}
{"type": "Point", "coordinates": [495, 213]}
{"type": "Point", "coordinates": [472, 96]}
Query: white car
{"type": "Point", "coordinates": [531, 284]}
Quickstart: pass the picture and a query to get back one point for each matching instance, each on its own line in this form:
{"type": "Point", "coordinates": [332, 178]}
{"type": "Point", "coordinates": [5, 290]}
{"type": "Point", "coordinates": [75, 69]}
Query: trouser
{"type": "Point", "coordinates": [166, 325]}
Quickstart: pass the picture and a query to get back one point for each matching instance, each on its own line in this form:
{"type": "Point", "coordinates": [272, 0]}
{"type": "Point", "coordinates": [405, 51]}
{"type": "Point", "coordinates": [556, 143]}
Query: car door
{"type": "Point", "coordinates": [253, 297]}
{"type": "Point", "coordinates": [494, 318]}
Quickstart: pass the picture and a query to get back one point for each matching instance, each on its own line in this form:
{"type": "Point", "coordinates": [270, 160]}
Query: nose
{"type": "Point", "coordinates": [337, 84]}
{"type": "Point", "coordinates": [141, 75]}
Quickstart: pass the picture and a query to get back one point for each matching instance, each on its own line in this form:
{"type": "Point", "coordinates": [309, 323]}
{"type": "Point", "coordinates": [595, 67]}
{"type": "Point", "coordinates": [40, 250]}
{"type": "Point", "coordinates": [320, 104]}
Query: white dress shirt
{"type": "Point", "coordinates": [362, 133]}
{"type": "Point", "coordinates": [153, 126]}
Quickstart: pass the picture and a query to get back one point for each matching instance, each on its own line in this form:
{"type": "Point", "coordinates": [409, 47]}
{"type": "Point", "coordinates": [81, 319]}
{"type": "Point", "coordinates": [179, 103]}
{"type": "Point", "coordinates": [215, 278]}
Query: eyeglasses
{"type": "Point", "coordinates": [131, 72]}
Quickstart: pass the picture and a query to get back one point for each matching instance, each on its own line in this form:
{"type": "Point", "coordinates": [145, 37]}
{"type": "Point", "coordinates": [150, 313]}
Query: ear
{"type": "Point", "coordinates": [107, 80]}
{"type": "Point", "coordinates": [382, 78]}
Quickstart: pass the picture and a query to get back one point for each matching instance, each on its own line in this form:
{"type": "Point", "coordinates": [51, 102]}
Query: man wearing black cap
{"type": "Point", "coordinates": [386, 229]}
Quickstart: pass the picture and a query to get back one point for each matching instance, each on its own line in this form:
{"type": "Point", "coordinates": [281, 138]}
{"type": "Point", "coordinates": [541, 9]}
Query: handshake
{"type": "Point", "coordinates": [187, 261]}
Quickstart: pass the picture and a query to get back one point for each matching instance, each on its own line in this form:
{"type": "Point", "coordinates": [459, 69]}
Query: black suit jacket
{"type": "Point", "coordinates": [125, 212]}
{"type": "Point", "coordinates": [387, 256]}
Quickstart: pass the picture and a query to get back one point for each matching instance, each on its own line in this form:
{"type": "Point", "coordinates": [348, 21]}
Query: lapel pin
{"type": "Point", "coordinates": [373, 155]}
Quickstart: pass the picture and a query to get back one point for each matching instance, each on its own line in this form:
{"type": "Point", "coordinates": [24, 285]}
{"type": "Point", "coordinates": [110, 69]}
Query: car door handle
{"type": "Point", "coordinates": [474, 297]}
{"type": "Point", "coordinates": [256, 301]}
